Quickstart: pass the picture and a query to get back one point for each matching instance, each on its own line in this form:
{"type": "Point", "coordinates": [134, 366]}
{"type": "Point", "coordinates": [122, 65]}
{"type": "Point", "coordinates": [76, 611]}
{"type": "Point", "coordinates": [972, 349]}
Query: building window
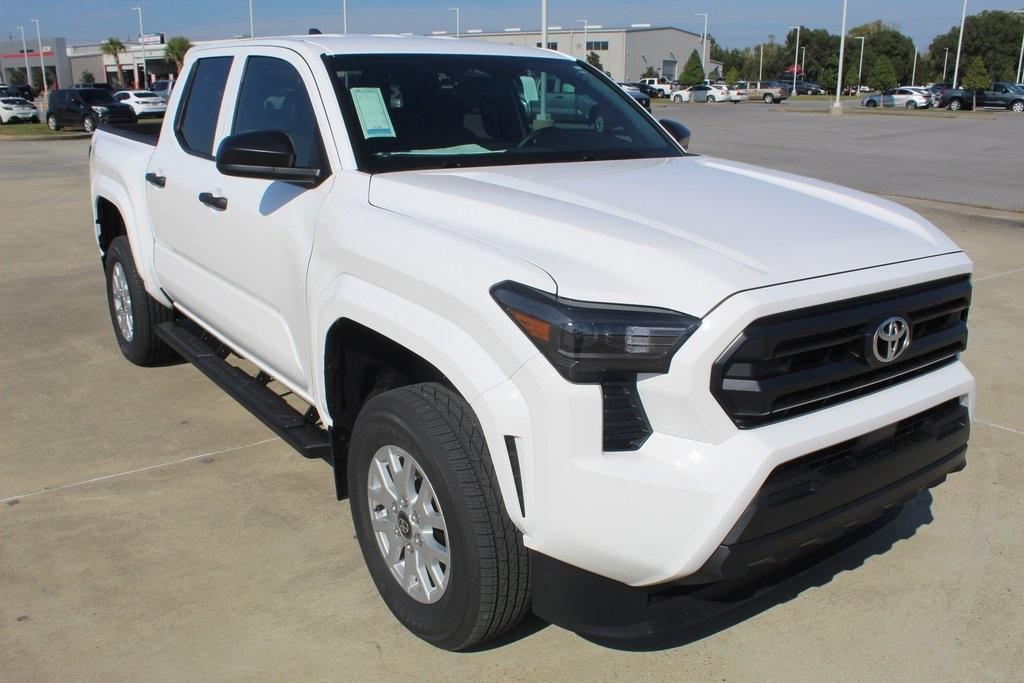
{"type": "Point", "coordinates": [597, 45]}
{"type": "Point", "coordinates": [551, 46]}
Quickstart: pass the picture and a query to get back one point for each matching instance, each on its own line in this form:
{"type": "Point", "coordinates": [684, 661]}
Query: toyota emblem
{"type": "Point", "coordinates": [891, 339]}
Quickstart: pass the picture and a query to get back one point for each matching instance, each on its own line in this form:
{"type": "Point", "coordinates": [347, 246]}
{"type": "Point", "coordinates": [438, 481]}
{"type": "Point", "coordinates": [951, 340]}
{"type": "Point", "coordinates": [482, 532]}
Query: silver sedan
{"type": "Point", "coordinates": [903, 98]}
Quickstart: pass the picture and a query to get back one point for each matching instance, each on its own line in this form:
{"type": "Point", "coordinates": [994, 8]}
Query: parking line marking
{"type": "Point", "coordinates": [989, 277]}
{"type": "Point", "coordinates": [991, 424]}
{"type": "Point", "coordinates": [141, 469]}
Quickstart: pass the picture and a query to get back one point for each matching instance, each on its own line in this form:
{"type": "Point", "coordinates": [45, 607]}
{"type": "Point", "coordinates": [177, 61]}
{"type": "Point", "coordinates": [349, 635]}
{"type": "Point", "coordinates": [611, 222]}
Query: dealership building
{"type": "Point", "coordinates": [625, 53]}
{"type": "Point", "coordinates": [54, 59]}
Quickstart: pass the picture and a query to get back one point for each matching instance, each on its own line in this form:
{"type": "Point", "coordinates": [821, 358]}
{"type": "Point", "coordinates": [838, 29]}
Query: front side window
{"type": "Point", "coordinates": [443, 111]}
{"type": "Point", "coordinates": [273, 97]}
{"type": "Point", "coordinates": [197, 122]}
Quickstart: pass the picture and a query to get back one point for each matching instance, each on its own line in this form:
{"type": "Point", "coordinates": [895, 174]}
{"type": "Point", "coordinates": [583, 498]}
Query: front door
{"type": "Point", "coordinates": [258, 247]}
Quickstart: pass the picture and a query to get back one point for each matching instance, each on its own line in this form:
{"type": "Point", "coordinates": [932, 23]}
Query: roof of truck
{"type": "Point", "coordinates": [384, 44]}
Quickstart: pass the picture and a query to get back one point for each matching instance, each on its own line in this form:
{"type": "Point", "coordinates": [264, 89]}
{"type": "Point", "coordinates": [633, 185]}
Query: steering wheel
{"type": "Point", "coordinates": [531, 139]}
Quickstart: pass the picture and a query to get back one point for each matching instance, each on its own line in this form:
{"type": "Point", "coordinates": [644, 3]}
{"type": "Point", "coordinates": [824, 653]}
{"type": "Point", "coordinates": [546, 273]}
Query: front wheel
{"type": "Point", "coordinates": [710, 100]}
{"type": "Point", "coordinates": [1017, 107]}
{"type": "Point", "coordinates": [872, 104]}
{"type": "Point", "coordinates": [678, 99]}
{"type": "Point", "coordinates": [955, 105]}
{"type": "Point", "coordinates": [51, 122]}
{"type": "Point", "coordinates": [89, 124]}
{"type": "Point", "coordinates": [911, 105]}
{"type": "Point", "coordinates": [429, 517]}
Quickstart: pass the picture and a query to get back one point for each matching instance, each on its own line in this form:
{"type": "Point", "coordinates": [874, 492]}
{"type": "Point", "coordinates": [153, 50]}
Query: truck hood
{"type": "Point", "coordinates": [682, 233]}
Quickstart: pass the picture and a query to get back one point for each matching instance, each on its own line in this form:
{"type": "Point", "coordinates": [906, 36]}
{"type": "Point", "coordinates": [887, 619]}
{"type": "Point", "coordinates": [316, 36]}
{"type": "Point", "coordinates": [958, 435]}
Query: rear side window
{"type": "Point", "coordinates": [273, 97]}
{"type": "Point", "coordinates": [197, 120]}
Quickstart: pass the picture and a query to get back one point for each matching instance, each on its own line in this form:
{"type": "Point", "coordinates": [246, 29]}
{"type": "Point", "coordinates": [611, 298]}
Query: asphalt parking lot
{"type": "Point", "coordinates": [151, 528]}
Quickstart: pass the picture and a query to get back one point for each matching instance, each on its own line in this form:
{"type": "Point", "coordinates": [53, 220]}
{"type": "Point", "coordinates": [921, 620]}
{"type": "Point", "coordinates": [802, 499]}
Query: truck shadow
{"type": "Point", "coordinates": [742, 603]}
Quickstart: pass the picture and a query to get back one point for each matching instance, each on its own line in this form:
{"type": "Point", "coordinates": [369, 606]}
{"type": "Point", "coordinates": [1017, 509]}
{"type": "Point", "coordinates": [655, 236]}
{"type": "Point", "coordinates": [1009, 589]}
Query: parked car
{"type": "Point", "coordinates": [143, 102]}
{"type": "Point", "coordinates": [683, 94]}
{"type": "Point", "coordinates": [662, 85]}
{"type": "Point", "coordinates": [1002, 95]}
{"type": "Point", "coordinates": [14, 109]}
{"type": "Point", "coordinates": [533, 395]}
{"type": "Point", "coordinates": [21, 90]}
{"type": "Point", "coordinates": [163, 89]}
{"type": "Point", "coordinates": [93, 86]}
{"type": "Point", "coordinates": [809, 88]}
{"type": "Point", "coordinates": [709, 93]}
{"type": "Point", "coordinates": [645, 89]}
{"type": "Point", "coordinates": [85, 107]}
{"type": "Point", "coordinates": [634, 92]}
{"type": "Point", "coordinates": [902, 98]}
{"type": "Point", "coordinates": [769, 92]}
{"type": "Point", "coordinates": [931, 95]}
{"type": "Point", "coordinates": [736, 93]}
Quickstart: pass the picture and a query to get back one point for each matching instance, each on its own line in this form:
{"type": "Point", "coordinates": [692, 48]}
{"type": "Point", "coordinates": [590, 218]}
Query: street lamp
{"type": "Point", "coordinates": [760, 65]}
{"type": "Point", "coordinates": [344, 17]}
{"type": "Point", "coordinates": [42, 64]}
{"type": "Point", "coordinates": [913, 73]}
{"type": "Point", "coordinates": [586, 32]}
{"type": "Point", "coordinates": [252, 30]}
{"type": "Point", "coordinates": [1020, 60]}
{"type": "Point", "coordinates": [860, 69]}
{"type": "Point", "coordinates": [836, 106]}
{"type": "Point", "coordinates": [24, 53]}
{"type": "Point", "coordinates": [796, 57]}
{"type": "Point", "coordinates": [458, 21]}
{"type": "Point", "coordinates": [142, 39]}
{"type": "Point", "coordinates": [959, 44]}
{"type": "Point", "coordinates": [703, 43]}
{"type": "Point", "coordinates": [803, 60]}
{"type": "Point", "coordinates": [945, 61]}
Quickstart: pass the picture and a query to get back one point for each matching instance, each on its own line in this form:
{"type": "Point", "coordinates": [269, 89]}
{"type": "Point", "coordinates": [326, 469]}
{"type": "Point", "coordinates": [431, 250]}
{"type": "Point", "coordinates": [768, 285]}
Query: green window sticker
{"type": "Point", "coordinates": [373, 113]}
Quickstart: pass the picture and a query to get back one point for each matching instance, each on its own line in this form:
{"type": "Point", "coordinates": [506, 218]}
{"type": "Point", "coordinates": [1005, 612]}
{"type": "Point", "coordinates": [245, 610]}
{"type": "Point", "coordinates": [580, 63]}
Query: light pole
{"type": "Point", "coordinates": [913, 72]}
{"type": "Point", "coordinates": [760, 65]}
{"type": "Point", "coordinates": [1020, 60]}
{"type": "Point", "coordinates": [544, 74]}
{"type": "Point", "coordinates": [703, 43]}
{"type": "Point", "coordinates": [586, 32]}
{"type": "Point", "coordinates": [803, 61]}
{"type": "Point", "coordinates": [142, 39]}
{"type": "Point", "coordinates": [252, 30]}
{"type": "Point", "coordinates": [458, 21]}
{"type": "Point", "coordinates": [344, 17]}
{"type": "Point", "coordinates": [42, 64]}
{"type": "Point", "coordinates": [860, 69]}
{"type": "Point", "coordinates": [945, 61]}
{"type": "Point", "coordinates": [24, 53]}
{"type": "Point", "coordinates": [836, 106]}
{"type": "Point", "coordinates": [796, 58]}
{"type": "Point", "coordinates": [959, 44]}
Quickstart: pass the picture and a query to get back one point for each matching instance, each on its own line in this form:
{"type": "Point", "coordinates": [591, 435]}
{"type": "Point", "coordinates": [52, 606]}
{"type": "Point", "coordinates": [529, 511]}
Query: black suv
{"type": "Point", "coordinates": [86, 107]}
{"type": "Point", "coordinates": [24, 91]}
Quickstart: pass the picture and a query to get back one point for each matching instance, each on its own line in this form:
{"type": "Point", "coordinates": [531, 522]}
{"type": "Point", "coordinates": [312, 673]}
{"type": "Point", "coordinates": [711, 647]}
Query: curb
{"type": "Point", "coordinates": [41, 138]}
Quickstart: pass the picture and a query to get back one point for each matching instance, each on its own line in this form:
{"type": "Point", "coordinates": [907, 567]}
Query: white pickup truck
{"type": "Point", "coordinates": [535, 393]}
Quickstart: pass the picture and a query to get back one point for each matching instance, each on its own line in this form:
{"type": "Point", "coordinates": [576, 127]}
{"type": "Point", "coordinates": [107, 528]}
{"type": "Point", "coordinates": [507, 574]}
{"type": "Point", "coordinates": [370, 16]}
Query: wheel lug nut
{"type": "Point", "coordinates": [418, 540]}
{"type": "Point", "coordinates": [414, 519]}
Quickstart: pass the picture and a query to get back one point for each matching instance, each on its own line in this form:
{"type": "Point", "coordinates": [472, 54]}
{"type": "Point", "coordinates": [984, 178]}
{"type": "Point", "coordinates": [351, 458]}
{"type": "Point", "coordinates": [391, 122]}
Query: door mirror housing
{"type": "Point", "coordinates": [678, 131]}
{"type": "Point", "coordinates": [266, 154]}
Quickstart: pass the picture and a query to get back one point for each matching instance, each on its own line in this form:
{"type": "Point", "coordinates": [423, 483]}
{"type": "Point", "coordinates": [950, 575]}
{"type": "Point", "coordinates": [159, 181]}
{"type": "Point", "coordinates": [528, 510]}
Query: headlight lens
{"type": "Point", "coordinates": [587, 342]}
{"type": "Point", "coordinates": [100, 110]}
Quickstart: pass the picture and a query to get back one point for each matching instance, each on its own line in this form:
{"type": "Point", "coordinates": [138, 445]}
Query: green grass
{"type": "Point", "coordinates": [17, 130]}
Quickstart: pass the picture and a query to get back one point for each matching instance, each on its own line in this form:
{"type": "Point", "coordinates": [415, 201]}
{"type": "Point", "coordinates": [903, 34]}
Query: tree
{"type": "Point", "coordinates": [693, 72]}
{"type": "Point", "coordinates": [732, 75]}
{"type": "Point", "coordinates": [976, 78]}
{"type": "Point", "coordinates": [650, 73]}
{"type": "Point", "coordinates": [882, 76]}
{"type": "Point", "coordinates": [594, 60]}
{"type": "Point", "coordinates": [113, 47]}
{"type": "Point", "coordinates": [87, 77]}
{"type": "Point", "coordinates": [177, 46]}
{"type": "Point", "coordinates": [884, 40]}
{"type": "Point", "coordinates": [992, 35]}
{"type": "Point", "coordinates": [18, 77]}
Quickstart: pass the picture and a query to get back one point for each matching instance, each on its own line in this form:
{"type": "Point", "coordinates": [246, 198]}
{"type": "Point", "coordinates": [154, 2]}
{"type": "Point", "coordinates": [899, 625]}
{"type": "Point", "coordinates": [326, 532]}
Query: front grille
{"type": "Point", "coordinates": [625, 425]}
{"type": "Point", "coordinates": [797, 362]}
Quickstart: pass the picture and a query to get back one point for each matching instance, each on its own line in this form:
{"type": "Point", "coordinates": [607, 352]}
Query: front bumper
{"type": "Point", "coordinates": [804, 507]}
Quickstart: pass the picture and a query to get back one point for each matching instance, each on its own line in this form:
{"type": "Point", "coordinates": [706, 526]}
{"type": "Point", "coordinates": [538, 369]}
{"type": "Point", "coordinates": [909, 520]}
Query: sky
{"type": "Point", "coordinates": [733, 23]}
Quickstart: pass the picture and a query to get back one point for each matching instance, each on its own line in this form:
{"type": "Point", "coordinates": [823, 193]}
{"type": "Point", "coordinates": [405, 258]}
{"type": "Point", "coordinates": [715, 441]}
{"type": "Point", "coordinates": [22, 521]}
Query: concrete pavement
{"type": "Point", "coordinates": [151, 528]}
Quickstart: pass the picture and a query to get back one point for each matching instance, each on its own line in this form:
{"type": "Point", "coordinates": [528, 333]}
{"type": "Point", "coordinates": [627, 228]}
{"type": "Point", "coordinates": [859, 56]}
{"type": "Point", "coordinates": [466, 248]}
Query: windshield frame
{"type": "Point", "coordinates": [368, 162]}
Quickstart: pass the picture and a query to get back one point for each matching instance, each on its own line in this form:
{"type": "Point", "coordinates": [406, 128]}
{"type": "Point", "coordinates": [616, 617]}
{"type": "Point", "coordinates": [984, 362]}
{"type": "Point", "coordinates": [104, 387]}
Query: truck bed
{"type": "Point", "coordinates": [147, 132]}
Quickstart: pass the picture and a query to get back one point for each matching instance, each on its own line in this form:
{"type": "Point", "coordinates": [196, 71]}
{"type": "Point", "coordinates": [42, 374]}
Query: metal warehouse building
{"type": "Point", "coordinates": [54, 57]}
{"type": "Point", "coordinates": [626, 53]}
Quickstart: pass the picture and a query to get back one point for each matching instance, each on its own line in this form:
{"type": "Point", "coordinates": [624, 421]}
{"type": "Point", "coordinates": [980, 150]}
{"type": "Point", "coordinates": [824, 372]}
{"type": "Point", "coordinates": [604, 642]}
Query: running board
{"type": "Point", "coordinates": [252, 392]}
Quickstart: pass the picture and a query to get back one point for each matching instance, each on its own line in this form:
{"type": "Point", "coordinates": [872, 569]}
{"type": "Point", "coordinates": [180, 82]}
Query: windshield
{"type": "Point", "coordinates": [97, 96]}
{"type": "Point", "coordinates": [446, 111]}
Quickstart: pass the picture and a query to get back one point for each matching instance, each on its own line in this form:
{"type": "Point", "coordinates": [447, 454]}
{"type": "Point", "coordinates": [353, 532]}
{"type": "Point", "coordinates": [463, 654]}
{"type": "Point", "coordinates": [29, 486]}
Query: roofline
{"type": "Point", "coordinates": [592, 29]}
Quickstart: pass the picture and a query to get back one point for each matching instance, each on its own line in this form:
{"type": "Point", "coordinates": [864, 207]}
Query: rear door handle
{"type": "Point", "coordinates": [219, 203]}
{"type": "Point", "coordinates": [157, 180]}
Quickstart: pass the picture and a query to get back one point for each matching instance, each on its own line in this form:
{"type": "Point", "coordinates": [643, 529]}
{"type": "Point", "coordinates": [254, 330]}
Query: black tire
{"type": "Point", "coordinates": [768, 99]}
{"type": "Point", "coordinates": [955, 105]}
{"type": "Point", "coordinates": [1017, 106]}
{"type": "Point", "coordinates": [88, 124]}
{"type": "Point", "coordinates": [144, 347]}
{"type": "Point", "coordinates": [911, 105]}
{"type": "Point", "coordinates": [872, 104]}
{"type": "Point", "coordinates": [51, 122]}
{"type": "Point", "coordinates": [709, 100]}
{"type": "Point", "coordinates": [488, 590]}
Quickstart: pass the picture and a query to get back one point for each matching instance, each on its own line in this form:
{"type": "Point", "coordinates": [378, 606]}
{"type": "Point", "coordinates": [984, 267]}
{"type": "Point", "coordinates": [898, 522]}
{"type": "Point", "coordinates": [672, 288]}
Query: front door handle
{"type": "Point", "coordinates": [219, 203]}
{"type": "Point", "coordinates": [154, 179]}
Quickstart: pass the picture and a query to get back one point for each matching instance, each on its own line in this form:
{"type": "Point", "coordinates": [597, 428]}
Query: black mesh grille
{"type": "Point", "coordinates": [793, 363]}
{"type": "Point", "coordinates": [625, 422]}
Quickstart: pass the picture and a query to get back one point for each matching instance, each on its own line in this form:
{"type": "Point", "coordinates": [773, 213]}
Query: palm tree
{"type": "Point", "coordinates": [175, 50]}
{"type": "Point", "coordinates": [114, 47]}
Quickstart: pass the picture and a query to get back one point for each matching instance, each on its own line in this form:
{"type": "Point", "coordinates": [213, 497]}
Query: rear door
{"type": "Point", "coordinates": [258, 248]}
{"type": "Point", "coordinates": [178, 171]}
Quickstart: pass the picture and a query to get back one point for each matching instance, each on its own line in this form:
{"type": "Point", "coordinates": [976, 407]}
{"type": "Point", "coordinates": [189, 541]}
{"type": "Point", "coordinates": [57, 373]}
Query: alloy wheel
{"type": "Point", "coordinates": [122, 299]}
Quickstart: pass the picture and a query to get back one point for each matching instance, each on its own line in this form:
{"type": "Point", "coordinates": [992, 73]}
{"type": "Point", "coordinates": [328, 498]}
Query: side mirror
{"type": "Point", "coordinates": [677, 130]}
{"type": "Point", "coordinates": [266, 154]}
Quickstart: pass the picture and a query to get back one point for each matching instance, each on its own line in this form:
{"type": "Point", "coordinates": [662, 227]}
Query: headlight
{"type": "Point", "coordinates": [7, 108]}
{"type": "Point", "coordinates": [100, 110]}
{"type": "Point", "coordinates": [588, 342]}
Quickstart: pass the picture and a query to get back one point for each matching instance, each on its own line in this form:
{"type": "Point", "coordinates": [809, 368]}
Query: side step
{"type": "Point", "coordinates": [292, 426]}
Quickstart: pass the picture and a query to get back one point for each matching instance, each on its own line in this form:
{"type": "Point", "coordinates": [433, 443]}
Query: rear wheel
{"type": "Point", "coordinates": [955, 105]}
{"type": "Point", "coordinates": [872, 104]}
{"type": "Point", "coordinates": [911, 105]}
{"type": "Point", "coordinates": [430, 521]}
{"type": "Point", "coordinates": [133, 312]}
{"type": "Point", "coordinates": [768, 99]}
{"type": "Point", "coordinates": [51, 122]}
{"type": "Point", "coordinates": [710, 100]}
{"type": "Point", "coordinates": [89, 124]}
